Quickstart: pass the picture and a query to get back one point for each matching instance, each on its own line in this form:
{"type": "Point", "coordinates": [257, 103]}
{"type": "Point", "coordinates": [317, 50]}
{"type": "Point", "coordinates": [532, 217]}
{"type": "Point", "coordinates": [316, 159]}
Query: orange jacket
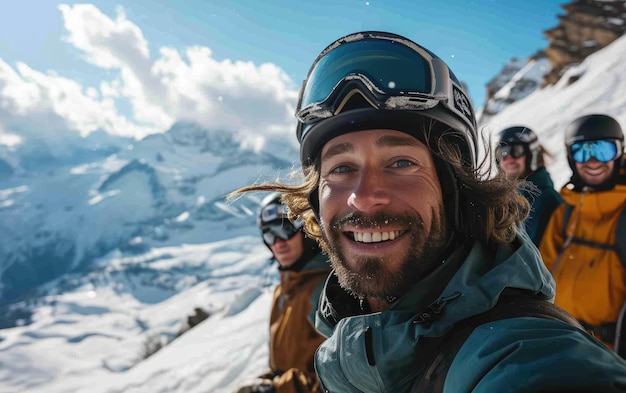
{"type": "Point", "coordinates": [590, 282]}
{"type": "Point", "coordinates": [293, 337]}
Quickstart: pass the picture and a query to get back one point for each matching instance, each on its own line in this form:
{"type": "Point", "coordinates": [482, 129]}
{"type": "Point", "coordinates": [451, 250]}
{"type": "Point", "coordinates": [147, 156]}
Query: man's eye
{"type": "Point", "coordinates": [341, 169]}
{"type": "Point", "coordinates": [402, 164]}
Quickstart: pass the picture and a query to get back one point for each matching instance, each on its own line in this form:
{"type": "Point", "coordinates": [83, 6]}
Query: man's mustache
{"type": "Point", "coordinates": [373, 221]}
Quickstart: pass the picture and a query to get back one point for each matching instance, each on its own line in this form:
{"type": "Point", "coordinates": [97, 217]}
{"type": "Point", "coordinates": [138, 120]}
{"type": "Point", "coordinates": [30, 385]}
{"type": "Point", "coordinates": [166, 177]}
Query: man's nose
{"type": "Point", "coordinates": [370, 192]}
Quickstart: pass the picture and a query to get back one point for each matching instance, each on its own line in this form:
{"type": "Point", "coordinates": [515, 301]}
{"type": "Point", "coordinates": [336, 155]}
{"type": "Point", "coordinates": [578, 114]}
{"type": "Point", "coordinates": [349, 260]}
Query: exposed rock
{"type": "Point", "coordinates": [587, 26]}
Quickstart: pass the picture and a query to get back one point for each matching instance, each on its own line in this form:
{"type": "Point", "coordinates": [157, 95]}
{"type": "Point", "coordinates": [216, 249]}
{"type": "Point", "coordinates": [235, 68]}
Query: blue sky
{"type": "Point", "coordinates": [476, 38]}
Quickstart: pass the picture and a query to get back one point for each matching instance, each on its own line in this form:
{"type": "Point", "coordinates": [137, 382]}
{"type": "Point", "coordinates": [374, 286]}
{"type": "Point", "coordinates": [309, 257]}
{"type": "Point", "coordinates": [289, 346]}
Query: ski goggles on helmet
{"type": "Point", "coordinates": [515, 150]}
{"type": "Point", "coordinates": [603, 150]}
{"type": "Point", "coordinates": [390, 72]}
{"type": "Point", "coordinates": [275, 224]}
{"type": "Point", "coordinates": [281, 230]}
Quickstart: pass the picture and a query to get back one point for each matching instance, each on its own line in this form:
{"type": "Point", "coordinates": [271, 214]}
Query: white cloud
{"type": "Point", "coordinates": [16, 95]}
{"type": "Point", "coordinates": [107, 43]}
{"type": "Point", "coordinates": [237, 95]}
{"type": "Point", "coordinates": [31, 100]}
{"type": "Point", "coordinates": [234, 94]}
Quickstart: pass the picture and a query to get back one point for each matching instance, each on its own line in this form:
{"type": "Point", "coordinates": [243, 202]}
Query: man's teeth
{"type": "Point", "coordinates": [375, 237]}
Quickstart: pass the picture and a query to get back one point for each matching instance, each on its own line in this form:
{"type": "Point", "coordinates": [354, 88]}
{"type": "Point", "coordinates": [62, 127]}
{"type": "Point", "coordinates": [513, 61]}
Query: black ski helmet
{"type": "Point", "coordinates": [371, 80]}
{"type": "Point", "coordinates": [521, 135]}
{"type": "Point", "coordinates": [592, 128]}
{"type": "Point", "coordinates": [273, 211]}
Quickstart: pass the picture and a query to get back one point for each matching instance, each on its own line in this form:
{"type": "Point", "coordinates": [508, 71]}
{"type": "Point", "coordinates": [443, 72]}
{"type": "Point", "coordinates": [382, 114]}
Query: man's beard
{"type": "Point", "coordinates": [373, 276]}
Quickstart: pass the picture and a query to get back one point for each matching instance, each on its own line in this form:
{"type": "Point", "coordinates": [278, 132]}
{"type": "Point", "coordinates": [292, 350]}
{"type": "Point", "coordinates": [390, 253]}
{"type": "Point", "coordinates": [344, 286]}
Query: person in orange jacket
{"type": "Point", "coordinates": [578, 245]}
{"type": "Point", "coordinates": [303, 270]}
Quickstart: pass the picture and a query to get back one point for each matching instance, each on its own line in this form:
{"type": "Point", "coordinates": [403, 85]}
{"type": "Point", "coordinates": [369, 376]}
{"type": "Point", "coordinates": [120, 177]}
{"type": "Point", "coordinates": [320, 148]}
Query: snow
{"type": "Point", "coordinates": [88, 334]}
{"type": "Point", "coordinates": [91, 339]}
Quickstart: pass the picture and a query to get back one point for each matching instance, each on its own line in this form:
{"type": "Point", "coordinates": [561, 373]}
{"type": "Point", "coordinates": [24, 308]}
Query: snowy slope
{"type": "Point", "coordinates": [90, 338]}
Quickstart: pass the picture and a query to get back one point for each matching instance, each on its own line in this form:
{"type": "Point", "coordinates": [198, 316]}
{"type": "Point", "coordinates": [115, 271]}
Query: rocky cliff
{"type": "Point", "coordinates": [586, 27]}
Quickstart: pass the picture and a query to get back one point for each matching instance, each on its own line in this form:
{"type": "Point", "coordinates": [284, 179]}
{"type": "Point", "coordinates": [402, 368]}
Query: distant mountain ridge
{"type": "Point", "coordinates": [165, 189]}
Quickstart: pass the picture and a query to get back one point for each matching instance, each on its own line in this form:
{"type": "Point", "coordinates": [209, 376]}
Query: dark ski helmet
{"type": "Point", "coordinates": [520, 135]}
{"type": "Point", "coordinates": [375, 79]}
{"type": "Point", "coordinates": [273, 222]}
{"type": "Point", "coordinates": [592, 128]}
{"type": "Point", "coordinates": [370, 80]}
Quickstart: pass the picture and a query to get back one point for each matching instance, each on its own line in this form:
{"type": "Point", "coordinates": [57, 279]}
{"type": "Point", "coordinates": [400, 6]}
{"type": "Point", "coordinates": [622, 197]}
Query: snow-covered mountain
{"type": "Point", "coordinates": [515, 82]}
{"type": "Point", "coordinates": [62, 206]}
{"type": "Point", "coordinates": [171, 245]}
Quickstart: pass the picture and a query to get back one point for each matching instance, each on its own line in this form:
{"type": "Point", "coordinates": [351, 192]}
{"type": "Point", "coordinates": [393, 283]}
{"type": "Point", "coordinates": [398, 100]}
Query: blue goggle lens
{"type": "Point", "coordinates": [392, 67]}
{"type": "Point", "coordinates": [601, 150]}
{"type": "Point", "coordinates": [284, 231]}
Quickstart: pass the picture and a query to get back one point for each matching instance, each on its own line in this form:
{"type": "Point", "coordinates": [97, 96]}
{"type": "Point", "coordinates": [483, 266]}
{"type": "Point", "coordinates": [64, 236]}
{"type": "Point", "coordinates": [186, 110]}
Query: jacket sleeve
{"type": "Point", "coordinates": [532, 355]}
{"type": "Point", "coordinates": [552, 239]}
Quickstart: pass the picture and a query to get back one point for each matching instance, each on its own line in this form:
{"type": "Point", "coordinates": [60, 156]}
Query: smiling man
{"type": "Point", "coordinates": [580, 245]}
{"type": "Point", "coordinates": [434, 287]}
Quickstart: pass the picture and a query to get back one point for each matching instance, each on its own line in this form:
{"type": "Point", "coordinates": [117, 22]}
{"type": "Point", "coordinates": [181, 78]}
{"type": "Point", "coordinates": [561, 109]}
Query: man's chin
{"type": "Point", "coordinates": [368, 282]}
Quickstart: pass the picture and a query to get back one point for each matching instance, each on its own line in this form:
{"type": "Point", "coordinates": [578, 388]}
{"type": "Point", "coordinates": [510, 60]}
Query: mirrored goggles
{"type": "Point", "coordinates": [602, 150]}
{"type": "Point", "coordinates": [515, 151]}
{"type": "Point", "coordinates": [389, 71]}
{"type": "Point", "coordinates": [284, 231]}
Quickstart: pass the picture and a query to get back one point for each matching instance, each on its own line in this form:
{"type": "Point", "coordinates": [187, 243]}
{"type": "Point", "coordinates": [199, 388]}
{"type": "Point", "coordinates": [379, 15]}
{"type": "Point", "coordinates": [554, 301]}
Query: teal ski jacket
{"type": "Point", "coordinates": [379, 352]}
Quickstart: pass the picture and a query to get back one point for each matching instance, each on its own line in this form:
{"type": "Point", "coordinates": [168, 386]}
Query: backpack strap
{"type": "Point", "coordinates": [441, 351]}
{"type": "Point", "coordinates": [620, 237]}
{"type": "Point", "coordinates": [566, 215]}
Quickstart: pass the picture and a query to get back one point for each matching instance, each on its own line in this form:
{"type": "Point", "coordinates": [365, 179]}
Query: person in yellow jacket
{"type": "Point", "coordinates": [578, 245]}
{"type": "Point", "coordinates": [303, 270]}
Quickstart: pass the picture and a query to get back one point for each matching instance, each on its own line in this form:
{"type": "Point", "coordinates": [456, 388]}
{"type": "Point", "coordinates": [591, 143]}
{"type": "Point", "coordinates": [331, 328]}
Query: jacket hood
{"type": "Point", "coordinates": [377, 352]}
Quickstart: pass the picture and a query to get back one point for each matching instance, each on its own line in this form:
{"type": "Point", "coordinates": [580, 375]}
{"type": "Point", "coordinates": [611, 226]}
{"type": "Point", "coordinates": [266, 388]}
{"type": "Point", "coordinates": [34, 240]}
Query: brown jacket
{"type": "Point", "coordinates": [293, 338]}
